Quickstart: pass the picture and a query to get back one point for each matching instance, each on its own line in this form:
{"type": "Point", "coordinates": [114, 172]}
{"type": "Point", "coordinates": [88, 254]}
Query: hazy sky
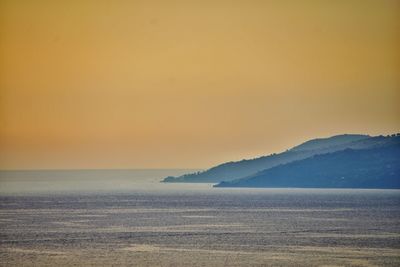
{"type": "Point", "coordinates": [154, 84]}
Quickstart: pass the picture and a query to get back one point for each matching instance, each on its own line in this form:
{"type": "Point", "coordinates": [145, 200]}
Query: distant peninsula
{"type": "Point", "coordinates": [342, 161]}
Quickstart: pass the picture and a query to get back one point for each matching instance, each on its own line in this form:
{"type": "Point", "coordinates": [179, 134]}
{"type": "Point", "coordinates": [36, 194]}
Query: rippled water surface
{"type": "Point", "coordinates": [141, 222]}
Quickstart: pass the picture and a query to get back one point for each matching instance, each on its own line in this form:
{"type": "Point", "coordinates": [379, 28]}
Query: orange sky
{"type": "Point", "coordinates": [165, 84]}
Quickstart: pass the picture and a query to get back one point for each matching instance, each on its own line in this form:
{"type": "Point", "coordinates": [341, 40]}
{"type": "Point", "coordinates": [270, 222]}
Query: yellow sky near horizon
{"type": "Point", "coordinates": [189, 84]}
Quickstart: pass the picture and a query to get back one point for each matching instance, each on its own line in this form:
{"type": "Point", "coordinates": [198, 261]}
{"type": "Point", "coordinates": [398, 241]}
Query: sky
{"type": "Point", "coordinates": [190, 84]}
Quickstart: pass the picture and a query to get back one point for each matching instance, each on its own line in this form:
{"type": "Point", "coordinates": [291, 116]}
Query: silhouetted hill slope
{"type": "Point", "coordinates": [337, 140]}
{"type": "Point", "coordinates": [234, 170]}
{"type": "Point", "coordinates": [349, 168]}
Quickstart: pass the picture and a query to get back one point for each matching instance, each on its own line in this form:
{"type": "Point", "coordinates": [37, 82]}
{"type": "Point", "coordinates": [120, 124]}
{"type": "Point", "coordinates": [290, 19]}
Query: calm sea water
{"type": "Point", "coordinates": [128, 218]}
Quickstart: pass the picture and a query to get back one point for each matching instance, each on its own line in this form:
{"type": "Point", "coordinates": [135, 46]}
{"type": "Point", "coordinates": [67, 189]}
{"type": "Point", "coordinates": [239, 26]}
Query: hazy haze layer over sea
{"type": "Point", "coordinates": [126, 217]}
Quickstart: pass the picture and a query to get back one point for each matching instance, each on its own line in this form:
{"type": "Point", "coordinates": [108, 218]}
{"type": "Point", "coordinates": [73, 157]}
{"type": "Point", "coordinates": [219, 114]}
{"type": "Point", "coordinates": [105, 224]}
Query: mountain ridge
{"type": "Point", "coordinates": [239, 169]}
{"type": "Point", "coordinates": [377, 167]}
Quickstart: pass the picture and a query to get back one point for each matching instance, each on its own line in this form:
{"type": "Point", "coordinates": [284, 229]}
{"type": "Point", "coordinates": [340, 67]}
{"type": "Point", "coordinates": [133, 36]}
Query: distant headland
{"type": "Point", "coordinates": [341, 161]}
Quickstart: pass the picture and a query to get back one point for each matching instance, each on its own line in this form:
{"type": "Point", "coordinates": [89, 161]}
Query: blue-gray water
{"type": "Point", "coordinates": [121, 218]}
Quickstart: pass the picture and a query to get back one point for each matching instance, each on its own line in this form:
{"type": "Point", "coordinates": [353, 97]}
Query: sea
{"type": "Point", "coordinates": [129, 218]}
